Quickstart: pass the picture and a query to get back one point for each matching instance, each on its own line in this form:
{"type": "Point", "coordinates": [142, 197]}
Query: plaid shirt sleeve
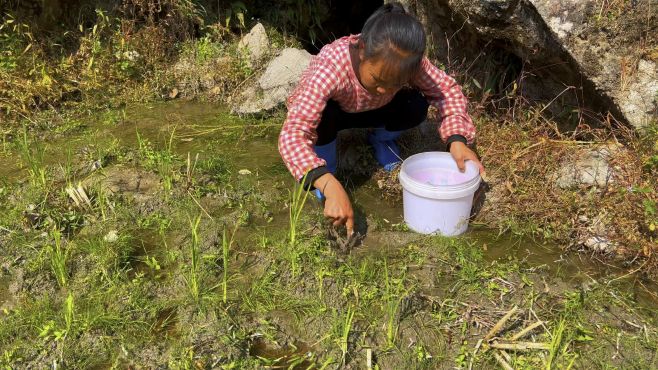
{"type": "Point", "coordinates": [305, 106]}
{"type": "Point", "coordinates": [445, 94]}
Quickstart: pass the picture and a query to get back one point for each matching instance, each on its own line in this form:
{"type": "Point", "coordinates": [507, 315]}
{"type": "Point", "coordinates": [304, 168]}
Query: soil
{"type": "Point", "coordinates": [408, 300]}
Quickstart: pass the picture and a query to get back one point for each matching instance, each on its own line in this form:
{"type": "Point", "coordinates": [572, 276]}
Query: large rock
{"type": "Point", "coordinates": [591, 168]}
{"type": "Point", "coordinates": [592, 54]}
{"type": "Point", "coordinates": [256, 42]}
{"type": "Point", "coordinates": [276, 83]}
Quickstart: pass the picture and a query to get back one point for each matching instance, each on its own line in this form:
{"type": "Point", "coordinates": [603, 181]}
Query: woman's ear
{"type": "Point", "coordinates": [362, 50]}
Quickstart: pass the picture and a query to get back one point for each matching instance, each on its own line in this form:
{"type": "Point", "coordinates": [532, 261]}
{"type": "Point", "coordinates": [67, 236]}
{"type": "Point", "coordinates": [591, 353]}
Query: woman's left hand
{"type": "Point", "coordinates": [460, 153]}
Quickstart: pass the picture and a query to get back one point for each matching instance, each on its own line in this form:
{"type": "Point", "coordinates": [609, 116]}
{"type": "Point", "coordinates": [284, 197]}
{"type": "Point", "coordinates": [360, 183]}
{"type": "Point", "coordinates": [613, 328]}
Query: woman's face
{"type": "Point", "coordinates": [378, 76]}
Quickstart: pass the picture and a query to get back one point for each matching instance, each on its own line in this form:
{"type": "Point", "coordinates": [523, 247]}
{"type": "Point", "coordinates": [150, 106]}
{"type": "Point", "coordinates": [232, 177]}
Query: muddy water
{"type": "Point", "coordinates": [293, 356]}
{"type": "Point", "coordinates": [576, 270]}
{"type": "Point", "coordinates": [190, 127]}
{"type": "Point", "coordinates": [5, 297]}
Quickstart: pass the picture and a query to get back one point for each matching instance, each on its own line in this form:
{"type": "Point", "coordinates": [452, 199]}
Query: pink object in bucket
{"type": "Point", "coordinates": [437, 198]}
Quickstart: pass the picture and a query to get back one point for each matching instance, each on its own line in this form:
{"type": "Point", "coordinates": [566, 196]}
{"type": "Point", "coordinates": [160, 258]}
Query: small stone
{"type": "Point", "coordinates": [96, 165]}
{"type": "Point", "coordinates": [600, 244]}
{"type": "Point", "coordinates": [215, 90]}
{"type": "Point", "coordinates": [111, 236]}
{"type": "Point", "coordinates": [256, 42]}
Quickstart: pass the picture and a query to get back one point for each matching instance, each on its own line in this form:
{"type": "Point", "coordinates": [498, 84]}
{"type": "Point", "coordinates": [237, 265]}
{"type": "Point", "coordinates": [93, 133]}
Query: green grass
{"type": "Point", "coordinates": [32, 155]}
{"type": "Point", "coordinates": [297, 200]}
{"type": "Point", "coordinates": [162, 161]}
{"type": "Point", "coordinates": [226, 248]}
{"type": "Point", "coordinates": [205, 291]}
{"type": "Point", "coordinates": [393, 295]}
{"type": "Point", "coordinates": [193, 274]}
{"type": "Point", "coordinates": [345, 329]}
{"type": "Point", "coordinates": [58, 256]}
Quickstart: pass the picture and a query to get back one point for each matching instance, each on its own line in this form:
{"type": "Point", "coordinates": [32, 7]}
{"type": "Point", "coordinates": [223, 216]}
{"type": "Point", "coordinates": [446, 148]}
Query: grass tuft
{"type": "Point", "coordinates": [58, 258]}
{"type": "Point", "coordinates": [192, 277]}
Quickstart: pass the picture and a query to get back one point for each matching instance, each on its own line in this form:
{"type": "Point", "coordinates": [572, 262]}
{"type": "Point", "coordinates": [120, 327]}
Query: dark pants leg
{"type": "Point", "coordinates": [407, 110]}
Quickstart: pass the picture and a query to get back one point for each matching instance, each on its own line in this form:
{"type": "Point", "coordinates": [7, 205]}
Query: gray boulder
{"type": "Point", "coordinates": [592, 54]}
{"type": "Point", "coordinates": [275, 84]}
{"type": "Point", "coordinates": [256, 43]}
{"type": "Point", "coordinates": [590, 169]}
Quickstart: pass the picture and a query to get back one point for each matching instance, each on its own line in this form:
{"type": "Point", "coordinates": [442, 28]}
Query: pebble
{"type": "Point", "coordinates": [111, 236]}
{"type": "Point", "coordinates": [600, 244]}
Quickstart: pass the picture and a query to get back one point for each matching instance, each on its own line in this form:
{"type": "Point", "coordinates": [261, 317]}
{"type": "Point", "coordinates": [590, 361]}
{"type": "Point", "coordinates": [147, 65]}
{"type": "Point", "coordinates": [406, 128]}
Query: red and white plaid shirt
{"type": "Point", "coordinates": [330, 75]}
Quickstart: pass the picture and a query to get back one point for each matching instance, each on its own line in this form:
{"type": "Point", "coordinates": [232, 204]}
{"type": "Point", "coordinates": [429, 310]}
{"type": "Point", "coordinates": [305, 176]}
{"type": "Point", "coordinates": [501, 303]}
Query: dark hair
{"type": "Point", "coordinates": [395, 36]}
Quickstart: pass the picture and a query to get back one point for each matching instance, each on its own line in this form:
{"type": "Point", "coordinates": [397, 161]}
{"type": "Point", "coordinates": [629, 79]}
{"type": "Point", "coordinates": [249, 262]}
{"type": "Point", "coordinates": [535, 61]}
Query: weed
{"type": "Point", "coordinates": [346, 328]}
{"type": "Point", "coordinates": [192, 277]}
{"type": "Point", "coordinates": [297, 200]}
{"type": "Point", "coordinates": [226, 247]}
{"type": "Point", "coordinates": [67, 168]}
{"type": "Point", "coordinates": [161, 161]}
{"type": "Point", "coordinates": [238, 9]}
{"type": "Point", "coordinates": [189, 170]}
{"type": "Point", "coordinates": [32, 155]}
{"type": "Point", "coordinates": [557, 347]}
{"type": "Point", "coordinates": [69, 308]}
{"type": "Point", "coordinates": [320, 274]}
{"type": "Point", "coordinates": [102, 202]}
{"type": "Point", "coordinates": [393, 296]}
{"type": "Point", "coordinates": [58, 257]}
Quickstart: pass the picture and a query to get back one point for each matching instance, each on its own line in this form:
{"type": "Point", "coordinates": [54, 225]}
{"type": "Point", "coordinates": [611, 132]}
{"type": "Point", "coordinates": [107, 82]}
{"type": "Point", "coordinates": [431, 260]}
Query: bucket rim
{"type": "Point", "coordinates": [437, 191]}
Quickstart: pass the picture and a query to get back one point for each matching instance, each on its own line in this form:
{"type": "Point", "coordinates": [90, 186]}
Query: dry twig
{"type": "Point", "coordinates": [499, 325]}
{"type": "Point", "coordinates": [520, 346]}
{"type": "Point", "coordinates": [502, 362]}
{"type": "Point", "coordinates": [525, 331]}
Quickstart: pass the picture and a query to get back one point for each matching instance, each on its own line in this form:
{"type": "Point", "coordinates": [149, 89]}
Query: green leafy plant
{"type": "Point", "coordinates": [236, 11]}
{"type": "Point", "coordinates": [15, 40]}
{"type": "Point", "coordinates": [162, 161]}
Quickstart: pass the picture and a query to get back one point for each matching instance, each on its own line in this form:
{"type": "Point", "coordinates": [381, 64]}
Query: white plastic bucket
{"type": "Point", "coordinates": [437, 198]}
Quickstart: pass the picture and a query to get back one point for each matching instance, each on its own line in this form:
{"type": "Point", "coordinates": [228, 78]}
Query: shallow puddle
{"type": "Point", "coordinates": [166, 322]}
{"type": "Point", "coordinates": [288, 357]}
{"type": "Point", "coordinates": [147, 254]}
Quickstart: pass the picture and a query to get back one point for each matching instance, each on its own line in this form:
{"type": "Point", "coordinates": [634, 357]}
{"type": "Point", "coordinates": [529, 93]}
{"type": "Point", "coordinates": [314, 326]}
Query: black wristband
{"type": "Point", "coordinates": [313, 175]}
{"type": "Point", "coordinates": [454, 138]}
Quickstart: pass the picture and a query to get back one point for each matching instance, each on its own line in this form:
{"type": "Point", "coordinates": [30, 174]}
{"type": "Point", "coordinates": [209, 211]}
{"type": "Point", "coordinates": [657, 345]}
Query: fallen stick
{"type": "Point", "coordinates": [505, 355]}
{"type": "Point", "coordinates": [499, 325]}
{"type": "Point", "coordinates": [525, 331]}
{"type": "Point", "coordinates": [502, 361]}
{"type": "Point", "coordinates": [475, 352]}
{"type": "Point", "coordinates": [200, 206]}
{"type": "Point", "coordinates": [520, 346]}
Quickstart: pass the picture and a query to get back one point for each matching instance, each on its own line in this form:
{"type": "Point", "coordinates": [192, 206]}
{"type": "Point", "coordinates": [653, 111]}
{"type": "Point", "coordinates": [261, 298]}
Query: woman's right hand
{"type": "Point", "coordinates": [337, 205]}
